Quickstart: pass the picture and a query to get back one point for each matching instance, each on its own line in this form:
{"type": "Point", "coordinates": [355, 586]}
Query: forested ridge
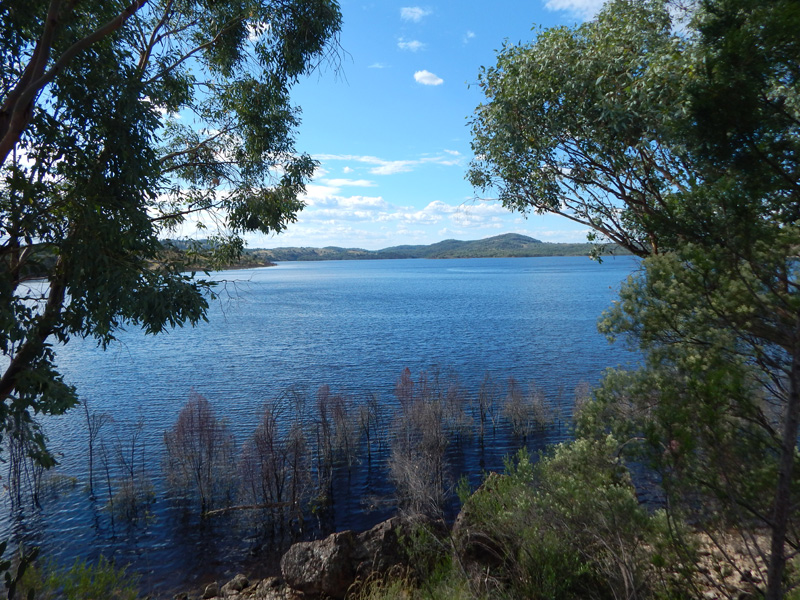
{"type": "Point", "coordinates": [500, 246]}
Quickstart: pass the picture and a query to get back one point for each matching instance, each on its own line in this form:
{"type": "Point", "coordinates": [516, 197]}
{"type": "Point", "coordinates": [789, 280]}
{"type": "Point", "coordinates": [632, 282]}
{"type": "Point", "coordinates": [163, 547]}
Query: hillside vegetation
{"type": "Point", "coordinates": [500, 246]}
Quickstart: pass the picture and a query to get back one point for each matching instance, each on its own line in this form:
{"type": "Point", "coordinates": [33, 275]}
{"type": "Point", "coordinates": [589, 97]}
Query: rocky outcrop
{"type": "Point", "coordinates": [322, 567]}
{"type": "Point", "coordinates": [211, 591]}
{"type": "Point", "coordinates": [380, 548]}
{"type": "Point", "coordinates": [329, 567]}
{"type": "Point", "coordinates": [241, 588]}
{"type": "Point", "coordinates": [235, 586]}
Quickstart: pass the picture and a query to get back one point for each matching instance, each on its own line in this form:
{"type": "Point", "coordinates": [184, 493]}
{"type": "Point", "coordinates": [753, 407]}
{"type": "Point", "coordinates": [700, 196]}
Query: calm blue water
{"type": "Point", "coordinates": [351, 325]}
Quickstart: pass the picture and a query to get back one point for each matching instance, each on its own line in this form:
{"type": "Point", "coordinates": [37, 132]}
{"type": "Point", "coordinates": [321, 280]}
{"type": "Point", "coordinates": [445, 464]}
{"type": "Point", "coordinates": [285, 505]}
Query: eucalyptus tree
{"type": "Point", "coordinates": [682, 144]}
{"type": "Point", "coordinates": [121, 122]}
{"type": "Point", "coordinates": [578, 123]}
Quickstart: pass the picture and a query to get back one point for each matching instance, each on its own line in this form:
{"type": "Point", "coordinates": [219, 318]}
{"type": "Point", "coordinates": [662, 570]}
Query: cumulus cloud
{"type": "Point", "coordinates": [580, 8]}
{"type": "Point", "coordinates": [427, 78]}
{"type": "Point", "coordinates": [411, 45]}
{"type": "Point", "coordinates": [325, 203]}
{"type": "Point", "coordinates": [347, 170]}
{"type": "Point", "coordinates": [324, 206]}
{"type": "Point", "coordinates": [468, 36]}
{"type": "Point", "coordinates": [314, 190]}
{"type": "Point", "coordinates": [414, 13]}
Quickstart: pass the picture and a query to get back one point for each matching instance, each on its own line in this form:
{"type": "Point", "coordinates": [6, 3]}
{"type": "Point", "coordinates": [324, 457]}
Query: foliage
{"type": "Point", "coordinates": [681, 144]}
{"type": "Point", "coordinates": [81, 581]}
{"type": "Point", "coordinates": [578, 123]}
{"type": "Point", "coordinates": [446, 585]}
{"type": "Point", "coordinates": [123, 122]}
{"type": "Point", "coordinates": [571, 526]}
{"type": "Point", "coordinates": [14, 575]}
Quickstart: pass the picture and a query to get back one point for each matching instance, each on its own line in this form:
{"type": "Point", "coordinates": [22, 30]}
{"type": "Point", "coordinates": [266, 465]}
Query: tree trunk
{"type": "Point", "coordinates": [783, 501]}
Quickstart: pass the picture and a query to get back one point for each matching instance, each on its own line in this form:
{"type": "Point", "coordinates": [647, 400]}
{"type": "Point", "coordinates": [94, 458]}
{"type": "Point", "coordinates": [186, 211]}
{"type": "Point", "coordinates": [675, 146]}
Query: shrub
{"type": "Point", "coordinates": [82, 581]}
{"type": "Point", "coordinates": [417, 464]}
{"type": "Point", "coordinates": [199, 453]}
{"type": "Point", "coordinates": [571, 527]}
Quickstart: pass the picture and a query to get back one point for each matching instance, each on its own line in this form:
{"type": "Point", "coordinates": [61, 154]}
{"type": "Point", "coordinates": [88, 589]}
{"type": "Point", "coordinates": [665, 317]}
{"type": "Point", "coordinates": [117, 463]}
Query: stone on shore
{"type": "Point", "coordinates": [329, 567]}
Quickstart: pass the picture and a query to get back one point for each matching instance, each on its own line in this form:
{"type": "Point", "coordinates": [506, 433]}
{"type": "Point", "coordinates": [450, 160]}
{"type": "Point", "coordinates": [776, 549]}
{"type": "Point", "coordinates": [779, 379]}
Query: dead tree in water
{"type": "Point", "coordinates": [417, 464]}
{"type": "Point", "coordinates": [94, 423]}
{"type": "Point", "coordinates": [199, 453]}
{"type": "Point", "coordinates": [25, 470]}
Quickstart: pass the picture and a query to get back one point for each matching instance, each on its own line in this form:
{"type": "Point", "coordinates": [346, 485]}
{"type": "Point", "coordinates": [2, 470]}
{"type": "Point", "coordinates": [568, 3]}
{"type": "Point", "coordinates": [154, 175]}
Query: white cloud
{"type": "Point", "coordinates": [412, 46]}
{"type": "Point", "coordinates": [468, 36]}
{"type": "Point", "coordinates": [339, 183]}
{"type": "Point", "coordinates": [377, 65]}
{"type": "Point", "coordinates": [333, 208]}
{"type": "Point", "coordinates": [314, 190]}
{"type": "Point", "coordinates": [323, 206]}
{"type": "Point", "coordinates": [366, 202]}
{"type": "Point", "coordinates": [581, 8]}
{"type": "Point", "coordinates": [347, 170]}
{"type": "Point", "coordinates": [390, 167]}
{"type": "Point", "coordinates": [453, 152]}
{"type": "Point", "coordinates": [414, 13]}
{"type": "Point", "coordinates": [427, 78]}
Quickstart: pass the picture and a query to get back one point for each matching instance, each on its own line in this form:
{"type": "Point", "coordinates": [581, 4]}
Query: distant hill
{"type": "Point", "coordinates": [506, 245]}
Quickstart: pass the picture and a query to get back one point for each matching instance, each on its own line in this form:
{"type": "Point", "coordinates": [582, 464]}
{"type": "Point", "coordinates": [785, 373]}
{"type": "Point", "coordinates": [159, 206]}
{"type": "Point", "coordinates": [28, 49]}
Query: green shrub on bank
{"type": "Point", "coordinates": [81, 581]}
{"type": "Point", "coordinates": [570, 527]}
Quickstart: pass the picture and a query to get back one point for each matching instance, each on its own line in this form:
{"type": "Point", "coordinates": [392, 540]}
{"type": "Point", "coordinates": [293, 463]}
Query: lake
{"type": "Point", "coordinates": [279, 334]}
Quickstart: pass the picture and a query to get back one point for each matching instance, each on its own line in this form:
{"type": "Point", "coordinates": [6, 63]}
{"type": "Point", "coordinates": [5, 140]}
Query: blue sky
{"type": "Point", "coordinates": [390, 126]}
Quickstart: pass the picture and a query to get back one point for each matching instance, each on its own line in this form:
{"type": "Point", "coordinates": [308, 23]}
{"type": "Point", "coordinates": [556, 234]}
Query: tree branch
{"type": "Point", "coordinates": [21, 109]}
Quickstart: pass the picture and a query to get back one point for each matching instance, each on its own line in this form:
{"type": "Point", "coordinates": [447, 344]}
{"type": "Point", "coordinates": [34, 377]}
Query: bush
{"type": "Point", "coordinates": [571, 527]}
{"type": "Point", "coordinates": [82, 581]}
{"type": "Point", "coordinates": [199, 453]}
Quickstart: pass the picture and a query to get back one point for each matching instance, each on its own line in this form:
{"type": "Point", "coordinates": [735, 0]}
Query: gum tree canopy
{"type": "Point", "coordinates": [121, 121]}
{"type": "Point", "coordinates": [682, 144]}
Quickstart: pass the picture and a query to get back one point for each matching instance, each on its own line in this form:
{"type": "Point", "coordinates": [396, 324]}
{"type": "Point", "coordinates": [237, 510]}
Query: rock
{"type": "Point", "coordinates": [235, 585]}
{"type": "Point", "coordinates": [330, 566]}
{"type": "Point", "coordinates": [211, 591]}
{"type": "Point", "coordinates": [325, 567]}
{"type": "Point", "coordinates": [271, 588]}
{"type": "Point", "coordinates": [270, 583]}
{"type": "Point", "coordinates": [379, 549]}
{"type": "Point", "coordinates": [181, 596]}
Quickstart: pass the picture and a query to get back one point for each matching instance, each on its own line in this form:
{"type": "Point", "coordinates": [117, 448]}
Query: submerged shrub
{"type": "Point", "coordinates": [417, 464]}
{"type": "Point", "coordinates": [199, 453]}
